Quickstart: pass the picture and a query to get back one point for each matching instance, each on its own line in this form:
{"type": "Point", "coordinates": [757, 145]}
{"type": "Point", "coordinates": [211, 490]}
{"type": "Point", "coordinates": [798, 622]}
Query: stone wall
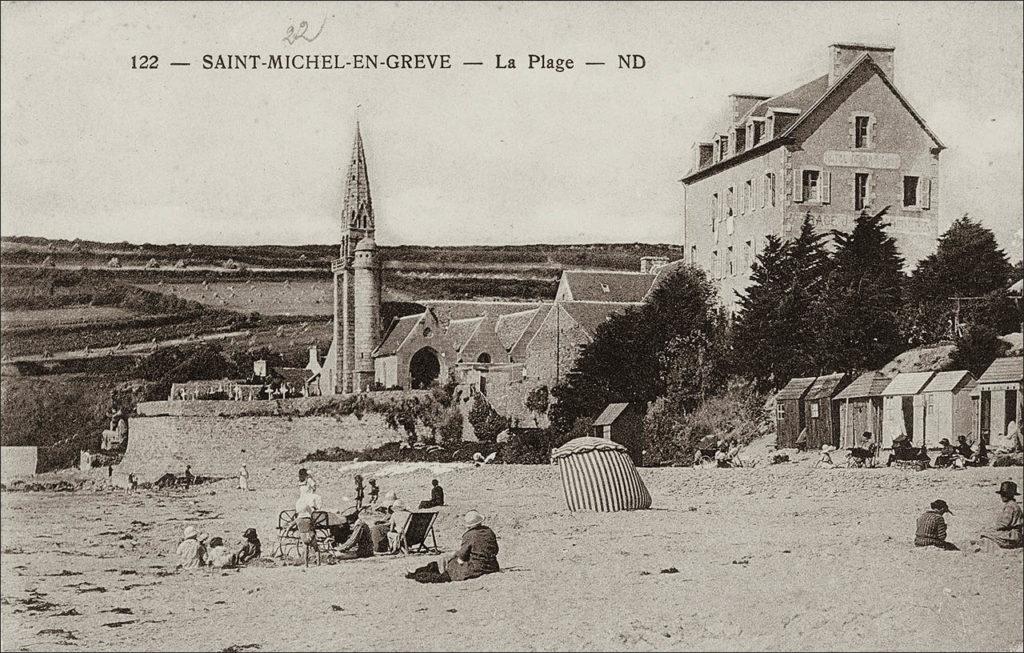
{"type": "Point", "coordinates": [216, 437]}
{"type": "Point", "coordinates": [17, 461]}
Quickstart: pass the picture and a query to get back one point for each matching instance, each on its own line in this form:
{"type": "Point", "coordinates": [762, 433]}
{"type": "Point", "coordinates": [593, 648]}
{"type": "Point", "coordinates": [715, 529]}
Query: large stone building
{"type": "Point", "coordinates": [841, 144]}
{"type": "Point", "coordinates": [501, 349]}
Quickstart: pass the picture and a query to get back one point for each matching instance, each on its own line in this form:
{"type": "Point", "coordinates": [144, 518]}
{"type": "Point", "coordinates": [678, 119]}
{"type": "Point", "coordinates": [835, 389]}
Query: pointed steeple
{"type": "Point", "coordinates": [357, 209]}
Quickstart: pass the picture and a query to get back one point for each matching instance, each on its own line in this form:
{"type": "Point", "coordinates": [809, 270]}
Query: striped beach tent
{"type": "Point", "coordinates": [598, 474]}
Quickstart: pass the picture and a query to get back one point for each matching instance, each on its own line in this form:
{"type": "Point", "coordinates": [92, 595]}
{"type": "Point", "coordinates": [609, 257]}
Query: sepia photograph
{"type": "Point", "coordinates": [511, 326]}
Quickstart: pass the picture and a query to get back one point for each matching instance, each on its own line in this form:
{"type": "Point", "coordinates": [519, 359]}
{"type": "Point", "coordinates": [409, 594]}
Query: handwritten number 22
{"type": "Point", "coordinates": [292, 35]}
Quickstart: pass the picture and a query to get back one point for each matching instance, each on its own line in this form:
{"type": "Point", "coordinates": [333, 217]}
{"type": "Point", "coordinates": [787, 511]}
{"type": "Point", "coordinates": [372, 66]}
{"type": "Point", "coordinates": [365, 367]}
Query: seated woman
{"type": "Point", "coordinates": [477, 556]}
{"type": "Point", "coordinates": [251, 549]}
{"type": "Point", "coordinates": [947, 455]}
{"type": "Point", "coordinates": [399, 517]}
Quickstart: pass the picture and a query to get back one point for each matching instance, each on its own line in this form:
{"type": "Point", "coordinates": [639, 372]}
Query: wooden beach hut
{"type": "Point", "coordinates": [860, 408]}
{"type": "Point", "coordinates": [622, 423]}
{"type": "Point", "coordinates": [821, 415]}
{"type": "Point", "coordinates": [904, 407]}
{"type": "Point", "coordinates": [949, 412]}
{"type": "Point", "coordinates": [789, 411]}
{"type": "Point", "coordinates": [1000, 402]}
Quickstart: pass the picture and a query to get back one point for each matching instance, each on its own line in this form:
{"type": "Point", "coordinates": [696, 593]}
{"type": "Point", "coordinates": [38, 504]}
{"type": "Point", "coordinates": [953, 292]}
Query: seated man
{"type": "Point", "coordinates": [359, 544]}
{"type": "Point", "coordinates": [436, 496]}
{"type": "Point", "coordinates": [1009, 524]}
{"type": "Point", "coordinates": [477, 556]}
{"type": "Point", "coordinates": [931, 527]}
{"type": "Point", "coordinates": [963, 447]}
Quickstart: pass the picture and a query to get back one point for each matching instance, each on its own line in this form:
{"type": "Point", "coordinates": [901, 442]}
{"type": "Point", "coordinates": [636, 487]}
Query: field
{"type": "Point", "coordinates": [778, 558]}
{"type": "Point", "coordinates": [62, 316]}
{"type": "Point", "coordinates": [287, 297]}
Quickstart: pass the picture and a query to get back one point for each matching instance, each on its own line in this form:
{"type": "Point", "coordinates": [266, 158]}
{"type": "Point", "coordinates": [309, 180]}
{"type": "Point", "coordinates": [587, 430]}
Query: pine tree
{"type": "Point", "coordinates": [810, 263]}
{"type": "Point", "coordinates": [861, 299]}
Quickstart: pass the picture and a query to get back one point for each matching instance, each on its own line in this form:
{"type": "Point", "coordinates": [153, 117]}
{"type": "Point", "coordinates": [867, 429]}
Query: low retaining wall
{"type": "Point", "coordinates": [216, 437]}
{"type": "Point", "coordinates": [17, 461]}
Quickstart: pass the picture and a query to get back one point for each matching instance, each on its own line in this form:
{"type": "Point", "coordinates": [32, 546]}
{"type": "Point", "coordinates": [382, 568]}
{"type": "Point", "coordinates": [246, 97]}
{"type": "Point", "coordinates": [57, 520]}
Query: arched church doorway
{"type": "Point", "coordinates": [483, 358]}
{"type": "Point", "coordinates": [424, 368]}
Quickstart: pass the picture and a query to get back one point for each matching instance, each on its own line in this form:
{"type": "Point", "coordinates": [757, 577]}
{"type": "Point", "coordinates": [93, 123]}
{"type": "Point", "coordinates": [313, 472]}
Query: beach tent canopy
{"type": "Point", "coordinates": [598, 474]}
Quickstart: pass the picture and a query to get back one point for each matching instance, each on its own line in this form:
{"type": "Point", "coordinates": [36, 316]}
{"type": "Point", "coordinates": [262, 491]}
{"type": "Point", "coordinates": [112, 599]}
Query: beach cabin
{"type": "Point", "coordinates": [623, 423]}
{"type": "Point", "coordinates": [948, 409]}
{"type": "Point", "coordinates": [999, 402]}
{"type": "Point", "coordinates": [789, 411]}
{"type": "Point", "coordinates": [903, 408]}
{"type": "Point", "coordinates": [860, 408]}
{"type": "Point", "coordinates": [821, 415]}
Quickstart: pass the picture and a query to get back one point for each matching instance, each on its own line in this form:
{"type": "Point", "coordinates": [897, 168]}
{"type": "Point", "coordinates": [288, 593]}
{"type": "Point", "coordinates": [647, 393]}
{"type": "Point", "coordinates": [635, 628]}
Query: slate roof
{"type": "Point", "coordinates": [446, 310]}
{"type": "Point", "coordinates": [460, 331]}
{"type": "Point", "coordinates": [801, 98]}
{"type": "Point", "coordinates": [586, 285]}
{"type": "Point", "coordinates": [907, 383]}
{"type": "Point", "coordinates": [610, 414]}
{"type": "Point", "coordinates": [1004, 370]}
{"type": "Point", "coordinates": [590, 315]}
{"type": "Point", "coordinates": [511, 327]}
{"type": "Point", "coordinates": [869, 384]}
{"type": "Point", "coordinates": [796, 388]}
{"type": "Point", "coordinates": [949, 381]}
{"type": "Point", "coordinates": [294, 375]}
{"type": "Point", "coordinates": [396, 335]}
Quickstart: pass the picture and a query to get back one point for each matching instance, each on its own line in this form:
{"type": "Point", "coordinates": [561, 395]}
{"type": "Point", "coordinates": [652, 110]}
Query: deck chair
{"type": "Point", "coordinates": [413, 538]}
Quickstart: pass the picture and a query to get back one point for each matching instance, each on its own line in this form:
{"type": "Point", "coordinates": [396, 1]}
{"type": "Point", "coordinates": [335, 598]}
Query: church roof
{"type": "Point", "coordinates": [511, 327]}
{"type": "Point", "coordinates": [357, 206]}
{"type": "Point", "coordinates": [396, 335]}
{"type": "Point", "coordinates": [594, 286]}
{"type": "Point", "coordinates": [454, 309]}
{"type": "Point", "coordinates": [591, 315]}
{"type": "Point", "coordinates": [460, 331]}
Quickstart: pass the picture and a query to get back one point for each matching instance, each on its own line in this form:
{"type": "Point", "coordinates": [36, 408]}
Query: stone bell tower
{"type": "Point", "coordinates": [356, 283]}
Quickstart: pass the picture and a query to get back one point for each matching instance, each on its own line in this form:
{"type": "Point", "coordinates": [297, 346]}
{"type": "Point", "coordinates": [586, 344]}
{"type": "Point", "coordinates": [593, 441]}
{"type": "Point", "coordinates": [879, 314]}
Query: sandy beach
{"type": "Point", "coordinates": [783, 557]}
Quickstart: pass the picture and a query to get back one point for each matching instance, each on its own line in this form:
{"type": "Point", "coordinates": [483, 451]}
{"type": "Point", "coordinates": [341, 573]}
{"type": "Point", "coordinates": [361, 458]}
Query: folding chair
{"type": "Point", "coordinates": [287, 535]}
{"type": "Point", "coordinates": [413, 538]}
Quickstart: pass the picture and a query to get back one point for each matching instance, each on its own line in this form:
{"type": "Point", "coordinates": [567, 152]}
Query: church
{"type": "Point", "coordinates": [498, 349]}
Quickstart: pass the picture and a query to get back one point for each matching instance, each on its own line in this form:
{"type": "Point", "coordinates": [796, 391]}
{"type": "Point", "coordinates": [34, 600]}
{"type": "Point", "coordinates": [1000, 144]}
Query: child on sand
{"type": "Point", "coordinates": [359, 492]}
{"type": "Point", "coordinates": [251, 549]}
{"type": "Point", "coordinates": [219, 556]}
{"type": "Point", "coordinates": [374, 491]}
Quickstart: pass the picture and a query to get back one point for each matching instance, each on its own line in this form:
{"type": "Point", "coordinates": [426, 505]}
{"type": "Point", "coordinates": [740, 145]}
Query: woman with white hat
{"type": "Point", "coordinates": [191, 554]}
{"type": "Point", "coordinates": [399, 517]}
{"type": "Point", "coordinates": [477, 556]}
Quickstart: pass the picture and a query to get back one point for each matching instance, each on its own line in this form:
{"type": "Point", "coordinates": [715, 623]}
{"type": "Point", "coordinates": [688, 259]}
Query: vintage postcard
{"type": "Point", "coordinates": [511, 326]}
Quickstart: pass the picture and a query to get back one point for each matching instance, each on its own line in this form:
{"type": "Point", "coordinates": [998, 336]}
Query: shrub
{"type": "Point", "coordinates": [486, 421]}
{"type": "Point", "coordinates": [527, 447]}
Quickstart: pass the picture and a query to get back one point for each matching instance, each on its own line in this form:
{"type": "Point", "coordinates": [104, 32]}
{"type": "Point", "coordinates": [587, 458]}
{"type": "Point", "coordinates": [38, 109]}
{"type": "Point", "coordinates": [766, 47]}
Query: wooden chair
{"type": "Point", "coordinates": [413, 537]}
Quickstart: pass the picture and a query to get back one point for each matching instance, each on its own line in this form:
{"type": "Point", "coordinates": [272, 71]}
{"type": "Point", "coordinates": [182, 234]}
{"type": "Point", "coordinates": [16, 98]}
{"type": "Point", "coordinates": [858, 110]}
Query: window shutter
{"type": "Point", "coordinates": [853, 131]}
{"type": "Point", "coordinates": [798, 185]}
{"type": "Point", "coordinates": [871, 200]}
{"type": "Point", "coordinates": [826, 187]}
{"type": "Point", "coordinates": [924, 192]}
{"type": "Point", "coordinates": [872, 127]}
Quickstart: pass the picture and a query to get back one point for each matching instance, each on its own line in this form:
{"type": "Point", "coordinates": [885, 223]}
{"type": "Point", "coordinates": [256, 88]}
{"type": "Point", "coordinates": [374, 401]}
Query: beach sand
{"type": "Point", "coordinates": [782, 557]}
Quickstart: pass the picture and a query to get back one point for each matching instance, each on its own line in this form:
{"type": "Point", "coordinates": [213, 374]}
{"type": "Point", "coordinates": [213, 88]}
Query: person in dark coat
{"type": "Point", "coordinates": [359, 544]}
{"type": "Point", "coordinates": [436, 496]}
{"type": "Point", "coordinates": [1008, 531]}
{"type": "Point", "coordinates": [931, 527]}
{"type": "Point", "coordinates": [963, 447]}
{"type": "Point", "coordinates": [947, 455]}
{"type": "Point", "coordinates": [251, 549]}
{"type": "Point", "coordinates": [477, 556]}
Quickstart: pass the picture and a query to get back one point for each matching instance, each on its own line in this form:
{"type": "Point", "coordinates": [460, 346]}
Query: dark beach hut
{"type": "Point", "coordinates": [821, 415]}
{"type": "Point", "coordinates": [789, 411]}
{"type": "Point", "coordinates": [860, 408]}
{"type": "Point", "coordinates": [622, 423]}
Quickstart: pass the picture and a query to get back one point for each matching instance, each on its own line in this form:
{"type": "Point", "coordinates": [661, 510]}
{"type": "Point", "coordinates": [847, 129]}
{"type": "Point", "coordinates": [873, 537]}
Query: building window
{"type": "Point", "coordinates": [730, 201]}
{"type": "Point", "coordinates": [758, 131]}
{"type": "Point", "coordinates": [714, 264]}
{"type": "Point", "coordinates": [910, 196]}
{"type": "Point", "coordinates": [860, 190]}
{"type": "Point", "coordinates": [693, 255]}
{"type": "Point", "coordinates": [861, 131]}
{"type": "Point", "coordinates": [723, 147]}
{"type": "Point", "coordinates": [810, 182]}
{"type": "Point", "coordinates": [714, 211]}
{"type": "Point", "coordinates": [729, 261]}
{"type": "Point", "coordinates": [748, 252]}
{"type": "Point", "coordinates": [748, 190]}
{"type": "Point", "coordinates": [769, 188]}
{"type": "Point", "coordinates": [814, 409]}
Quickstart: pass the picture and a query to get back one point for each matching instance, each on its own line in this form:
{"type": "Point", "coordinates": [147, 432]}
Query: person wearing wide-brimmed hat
{"type": "Point", "coordinates": [252, 547]}
{"type": "Point", "coordinates": [191, 554]}
{"type": "Point", "coordinates": [399, 518]}
{"type": "Point", "coordinates": [477, 556]}
{"type": "Point", "coordinates": [359, 544]}
{"type": "Point", "coordinates": [931, 527]}
{"type": "Point", "coordinates": [1010, 522]}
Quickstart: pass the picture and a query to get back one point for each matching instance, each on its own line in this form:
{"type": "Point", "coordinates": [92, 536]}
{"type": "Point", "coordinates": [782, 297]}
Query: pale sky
{"type": "Point", "coordinates": [471, 155]}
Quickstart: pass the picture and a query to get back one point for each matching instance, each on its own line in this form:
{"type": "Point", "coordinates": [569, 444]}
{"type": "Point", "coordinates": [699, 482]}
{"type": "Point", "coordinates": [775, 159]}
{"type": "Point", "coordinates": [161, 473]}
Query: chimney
{"type": "Point", "coordinates": [648, 264]}
{"type": "Point", "coordinates": [842, 55]}
{"type": "Point", "coordinates": [313, 365]}
{"type": "Point", "coordinates": [741, 103]}
{"type": "Point", "coordinates": [703, 155]}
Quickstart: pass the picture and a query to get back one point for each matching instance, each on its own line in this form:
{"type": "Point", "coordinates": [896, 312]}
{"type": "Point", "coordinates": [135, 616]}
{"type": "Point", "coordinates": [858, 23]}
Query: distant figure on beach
{"type": "Point", "coordinates": [374, 491]}
{"type": "Point", "coordinates": [251, 549]}
{"type": "Point", "coordinates": [359, 491]}
{"type": "Point", "coordinates": [129, 488]}
{"type": "Point", "coordinates": [359, 544]}
{"type": "Point", "coordinates": [189, 478]}
{"type": "Point", "coordinates": [191, 554]}
{"type": "Point", "coordinates": [931, 527]}
{"type": "Point", "coordinates": [1007, 532]}
{"type": "Point", "coordinates": [436, 496]}
{"type": "Point", "coordinates": [243, 478]}
{"type": "Point", "coordinates": [477, 556]}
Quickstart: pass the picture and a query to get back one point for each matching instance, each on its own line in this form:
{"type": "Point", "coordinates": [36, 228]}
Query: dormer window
{"type": "Point", "coordinates": [723, 147]}
{"type": "Point", "coordinates": [741, 138]}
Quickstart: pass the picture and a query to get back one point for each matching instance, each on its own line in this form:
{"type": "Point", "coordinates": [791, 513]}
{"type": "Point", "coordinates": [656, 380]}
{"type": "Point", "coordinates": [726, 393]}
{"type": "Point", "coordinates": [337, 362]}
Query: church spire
{"type": "Point", "coordinates": [357, 209]}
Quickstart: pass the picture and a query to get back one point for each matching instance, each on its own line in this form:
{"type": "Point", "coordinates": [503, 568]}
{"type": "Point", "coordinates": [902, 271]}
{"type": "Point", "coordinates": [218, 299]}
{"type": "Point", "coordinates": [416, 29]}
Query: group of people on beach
{"type": "Point", "coordinates": [1007, 532]}
{"type": "Point", "coordinates": [376, 528]}
{"type": "Point", "coordinates": [197, 550]}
